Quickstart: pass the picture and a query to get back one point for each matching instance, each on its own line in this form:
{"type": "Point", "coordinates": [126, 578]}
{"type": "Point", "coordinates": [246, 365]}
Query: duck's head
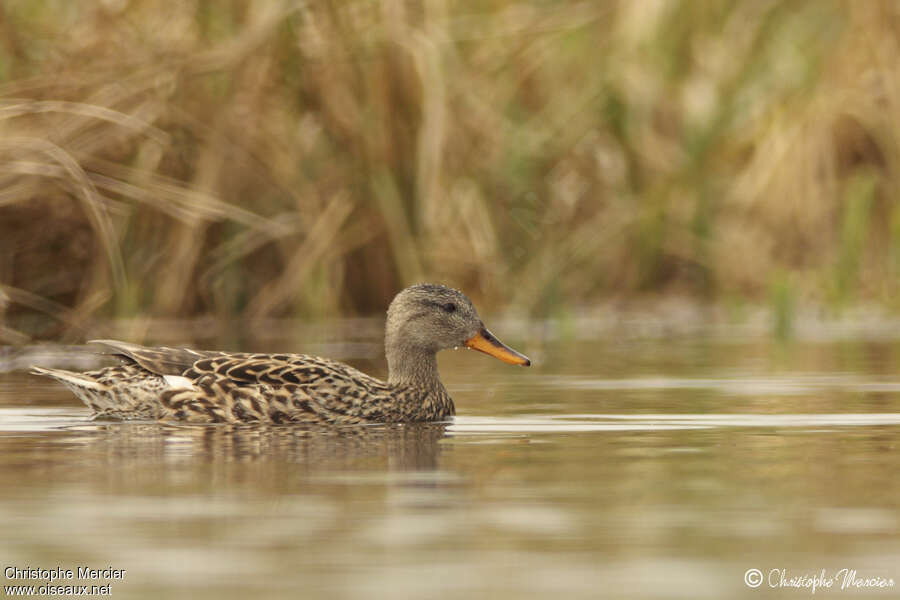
{"type": "Point", "coordinates": [426, 318]}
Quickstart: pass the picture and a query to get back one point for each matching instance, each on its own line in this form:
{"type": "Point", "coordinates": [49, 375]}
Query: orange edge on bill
{"type": "Point", "coordinates": [484, 341]}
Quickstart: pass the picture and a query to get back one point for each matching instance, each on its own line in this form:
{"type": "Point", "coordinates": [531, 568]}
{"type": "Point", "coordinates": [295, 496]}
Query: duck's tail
{"type": "Point", "coordinates": [104, 394]}
{"type": "Point", "coordinates": [75, 381]}
{"type": "Point", "coordinates": [94, 394]}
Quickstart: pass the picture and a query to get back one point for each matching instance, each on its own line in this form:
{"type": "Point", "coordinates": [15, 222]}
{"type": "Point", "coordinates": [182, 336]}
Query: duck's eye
{"type": "Point", "coordinates": [449, 307]}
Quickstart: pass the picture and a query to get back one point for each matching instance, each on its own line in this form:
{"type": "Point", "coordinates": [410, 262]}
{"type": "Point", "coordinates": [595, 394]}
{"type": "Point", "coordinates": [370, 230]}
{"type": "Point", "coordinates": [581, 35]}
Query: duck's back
{"type": "Point", "coordinates": [219, 387]}
{"type": "Point", "coordinates": [277, 388]}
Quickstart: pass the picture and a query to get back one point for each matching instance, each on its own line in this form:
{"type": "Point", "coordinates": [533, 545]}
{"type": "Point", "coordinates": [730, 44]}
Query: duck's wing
{"type": "Point", "coordinates": [276, 388]}
{"type": "Point", "coordinates": [160, 360]}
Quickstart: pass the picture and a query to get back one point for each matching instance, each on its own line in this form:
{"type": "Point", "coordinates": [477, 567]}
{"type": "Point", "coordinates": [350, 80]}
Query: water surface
{"type": "Point", "coordinates": [641, 468]}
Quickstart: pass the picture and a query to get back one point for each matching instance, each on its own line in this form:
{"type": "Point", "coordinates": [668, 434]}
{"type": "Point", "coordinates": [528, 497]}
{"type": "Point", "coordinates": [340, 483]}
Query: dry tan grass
{"type": "Point", "coordinates": [272, 158]}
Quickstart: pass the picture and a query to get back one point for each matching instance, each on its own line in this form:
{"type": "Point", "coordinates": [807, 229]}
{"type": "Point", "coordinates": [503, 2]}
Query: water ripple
{"type": "Point", "coordinates": [657, 422]}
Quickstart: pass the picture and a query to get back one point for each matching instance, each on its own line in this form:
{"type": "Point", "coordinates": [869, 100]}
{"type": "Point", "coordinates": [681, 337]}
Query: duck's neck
{"type": "Point", "coordinates": [413, 367]}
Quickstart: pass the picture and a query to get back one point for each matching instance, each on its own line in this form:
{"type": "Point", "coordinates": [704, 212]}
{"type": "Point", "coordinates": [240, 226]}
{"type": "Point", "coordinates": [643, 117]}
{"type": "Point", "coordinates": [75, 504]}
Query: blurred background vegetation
{"type": "Point", "coordinates": [254, 159]}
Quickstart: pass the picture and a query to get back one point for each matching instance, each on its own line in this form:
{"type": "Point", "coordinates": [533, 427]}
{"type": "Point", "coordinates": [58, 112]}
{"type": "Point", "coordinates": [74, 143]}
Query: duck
{"type": "Point", "coordinates": [207, 386]}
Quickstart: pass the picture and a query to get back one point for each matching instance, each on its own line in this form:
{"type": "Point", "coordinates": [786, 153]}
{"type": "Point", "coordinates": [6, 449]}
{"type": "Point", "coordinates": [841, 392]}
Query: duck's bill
{"type": "Point", "coordinates": [485, 341]}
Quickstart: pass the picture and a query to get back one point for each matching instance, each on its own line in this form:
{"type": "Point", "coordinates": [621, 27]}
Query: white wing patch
{"type": "Point", "coordinates": [177, 381]}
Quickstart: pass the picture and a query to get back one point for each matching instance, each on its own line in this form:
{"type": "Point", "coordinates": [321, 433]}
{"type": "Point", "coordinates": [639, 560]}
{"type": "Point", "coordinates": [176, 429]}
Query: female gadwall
{"type": "Point", "coordinates": [201, 386]}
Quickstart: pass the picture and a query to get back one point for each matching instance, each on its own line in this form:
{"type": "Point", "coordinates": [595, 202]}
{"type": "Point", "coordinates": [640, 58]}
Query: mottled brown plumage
{"type": "Point", "coordinates": [178, 384]}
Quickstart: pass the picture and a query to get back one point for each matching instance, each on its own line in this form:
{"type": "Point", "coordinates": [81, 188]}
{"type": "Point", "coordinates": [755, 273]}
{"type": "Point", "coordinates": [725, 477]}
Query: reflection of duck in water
{"type": "Point", "coordinates": [177, 384]}
{"type": "Point", "coordinates": [312, 448]}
